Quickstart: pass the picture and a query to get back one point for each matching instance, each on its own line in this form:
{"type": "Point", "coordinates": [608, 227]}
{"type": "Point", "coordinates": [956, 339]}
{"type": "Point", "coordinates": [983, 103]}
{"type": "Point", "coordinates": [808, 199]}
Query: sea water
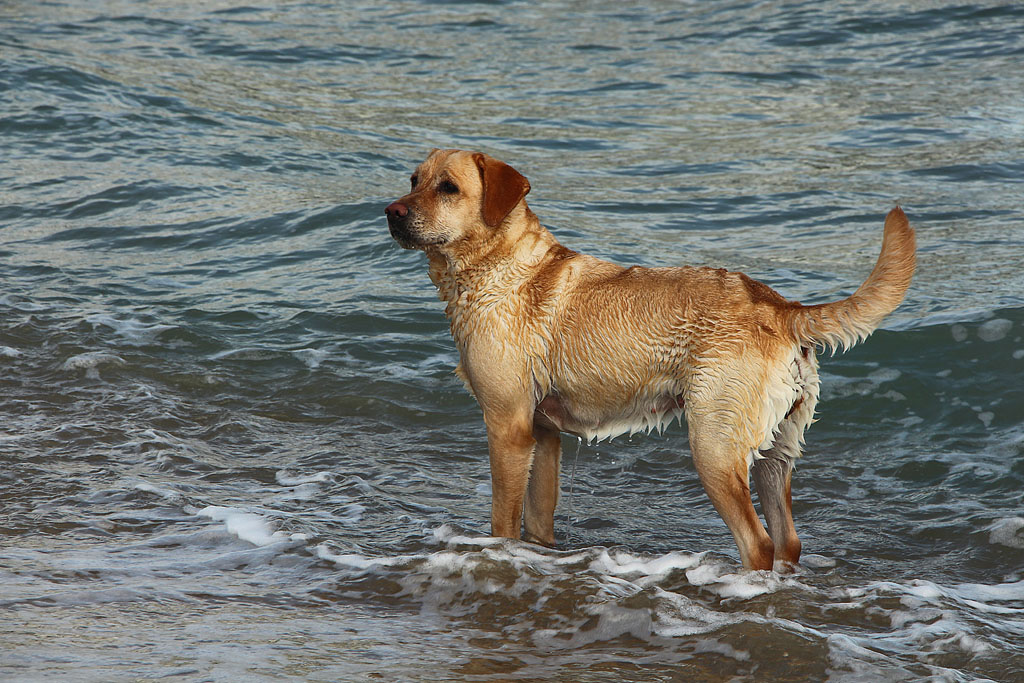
{"type": "Point", "coordinates": [231, 443]}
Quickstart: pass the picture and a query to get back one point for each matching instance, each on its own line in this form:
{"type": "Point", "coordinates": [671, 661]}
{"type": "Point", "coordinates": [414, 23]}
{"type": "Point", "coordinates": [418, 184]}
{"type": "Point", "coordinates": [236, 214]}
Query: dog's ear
{"type": "Point", "coordinates": [504, 187]}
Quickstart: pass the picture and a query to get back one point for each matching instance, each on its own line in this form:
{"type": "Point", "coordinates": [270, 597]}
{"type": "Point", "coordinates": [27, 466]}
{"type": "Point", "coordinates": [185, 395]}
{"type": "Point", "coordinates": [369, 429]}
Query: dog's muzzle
{"type": "Point", "coordinates": [398, 224]}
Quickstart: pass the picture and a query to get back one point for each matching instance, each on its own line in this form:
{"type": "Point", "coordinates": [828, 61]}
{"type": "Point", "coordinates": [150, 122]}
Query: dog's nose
{"type": "Point", "coordinates": [396, 210]}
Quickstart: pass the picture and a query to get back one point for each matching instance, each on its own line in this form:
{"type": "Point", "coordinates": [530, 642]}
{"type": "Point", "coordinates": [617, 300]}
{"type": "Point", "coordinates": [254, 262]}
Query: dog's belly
{"type": "Point", "coordinates": [593, 421]}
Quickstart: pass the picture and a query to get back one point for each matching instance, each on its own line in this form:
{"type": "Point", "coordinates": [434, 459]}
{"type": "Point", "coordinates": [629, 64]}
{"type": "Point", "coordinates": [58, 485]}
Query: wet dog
{"type": "Point", "coordinates": [552, 341]}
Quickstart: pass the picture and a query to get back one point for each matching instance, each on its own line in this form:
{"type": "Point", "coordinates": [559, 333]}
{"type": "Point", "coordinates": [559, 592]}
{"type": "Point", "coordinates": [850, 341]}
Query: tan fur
{"type": "Point", "coordinates": [552, 341]}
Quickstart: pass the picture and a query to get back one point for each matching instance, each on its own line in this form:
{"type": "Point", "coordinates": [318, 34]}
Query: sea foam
{"type": "Point", "coordinates": [247, 526]}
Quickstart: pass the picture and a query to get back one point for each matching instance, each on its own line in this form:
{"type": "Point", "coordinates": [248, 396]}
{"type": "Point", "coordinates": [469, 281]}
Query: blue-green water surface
{"type": "Point", "coordinates": [231, 443]}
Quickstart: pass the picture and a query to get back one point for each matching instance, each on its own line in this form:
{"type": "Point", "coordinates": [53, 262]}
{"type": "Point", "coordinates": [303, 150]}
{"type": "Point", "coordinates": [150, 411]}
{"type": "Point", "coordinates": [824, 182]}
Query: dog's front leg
{"type": "Point", "coordinates": [511, 445]}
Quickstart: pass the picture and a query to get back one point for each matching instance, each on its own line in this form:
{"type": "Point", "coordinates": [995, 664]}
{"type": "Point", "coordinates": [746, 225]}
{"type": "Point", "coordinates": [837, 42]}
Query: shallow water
{"type": "Point", "coordinates": [231, 443]}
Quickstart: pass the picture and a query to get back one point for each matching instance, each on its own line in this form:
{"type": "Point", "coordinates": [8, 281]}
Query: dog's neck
{"type": "Point", "coordinates": [503, 262]}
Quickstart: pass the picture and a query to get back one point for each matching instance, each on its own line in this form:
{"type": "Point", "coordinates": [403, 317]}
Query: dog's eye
{"type": "Point", "coordinates": [448, 187]}
{"type": "Point", "coordinates": [414, 180]}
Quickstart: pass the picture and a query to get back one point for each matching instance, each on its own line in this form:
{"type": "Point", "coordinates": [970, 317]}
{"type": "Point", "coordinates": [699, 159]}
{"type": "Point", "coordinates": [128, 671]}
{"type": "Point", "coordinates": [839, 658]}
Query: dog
{"type": "Point", "coordinates": [551, 340]}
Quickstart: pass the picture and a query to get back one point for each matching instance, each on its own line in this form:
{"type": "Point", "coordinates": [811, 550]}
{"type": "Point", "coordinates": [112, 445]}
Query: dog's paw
{"type": "Point", "coordinates": [530, 538]}
{"type": "Point", "coordinates": [787, 567]}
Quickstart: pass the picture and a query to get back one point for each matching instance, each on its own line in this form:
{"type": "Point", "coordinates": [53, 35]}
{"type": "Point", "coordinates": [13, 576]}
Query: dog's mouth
{"type": "Point", "coordinates": [406, 237]}
{"type": "Point", "coordinates": [403, 231]}
{"type": "Point", "coordinates": [401, 235]}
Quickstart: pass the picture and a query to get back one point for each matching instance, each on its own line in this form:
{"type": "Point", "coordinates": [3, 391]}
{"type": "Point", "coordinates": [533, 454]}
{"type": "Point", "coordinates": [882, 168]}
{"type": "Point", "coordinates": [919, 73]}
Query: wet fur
{"type": "Point", "coordinates": [551, 340]}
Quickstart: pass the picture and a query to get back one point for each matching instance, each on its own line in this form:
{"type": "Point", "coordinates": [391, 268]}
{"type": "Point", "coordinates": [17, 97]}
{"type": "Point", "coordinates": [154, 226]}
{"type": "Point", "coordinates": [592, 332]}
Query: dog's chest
{"type": "Point", "coordinates": [497, 316]}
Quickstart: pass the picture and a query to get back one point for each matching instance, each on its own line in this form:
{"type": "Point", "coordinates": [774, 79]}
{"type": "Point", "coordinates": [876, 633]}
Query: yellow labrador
{"type": "Point", "coordinates": [552, 341]}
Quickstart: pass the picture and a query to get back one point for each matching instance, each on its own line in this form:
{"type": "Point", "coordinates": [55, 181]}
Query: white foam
{"type": "Point", "coordinates": [932, 618]}
{"type": "Point", "coordinates": [882, 375]}
{"type": "Point", "coordinates": [356, 561]}
{"type": "Point", "coordinates": [132, 331]}
{"type": "Point", "coordinates": [300, 492]}
{"type": "Point", "coordinates": [718, 647]}
{"type": "Point", "coordinates": [981, 592]}
{"type": "Point", "coordinates": [22, 305]}
{"type": "Point", "coordinates": [964, 642]}
{"type": "Point", "coordinates": [856, 493]}
{"type": "Point", "coordinates": [937, 631]}
{"type": "Point", "coordinates": [677, 616]}
{"type": "Point", "coordinates": [437, 361]}
{"type": "Point", "coordinates": [866, 665]}
{"type": "Point", "coordinates": [620, 563]}
{"type": "Point", "coordinates": [726, 583]}
{"type": "Point", "coordinates": [455, 562]}
{"type": "Point", "coordinates": [91, 361]}
{"type": "Point", "coordinates": [621, 594]}
{"type": "Point", "coordinates": [623, 573]}
{"type": "Point", "coordinates": [447, 535]}
{"type": "Point", "coordinates": [8, 352]}
{"type": "Point", "coordinates": [167, 494]}
{"type": "Point", "coordinates": [1008, 531]}
{"type": "Point", "coordinates": [361, 484]}
{"type": "Point", "coordinates": [311, 357]}
{"type": "Point", "coordinates": [351, 514]}
{"type": "Point", "coordinates": [910, 421]}
{"type": "Point", "coordinates": [246, 353]}
{"type": "Point", "coordinates": [247, 526]}
{"type": "Point", "coordinates": [812, 561]}
{"type": "Point", "coordinates": [613, 622]}
{"type": "Point", "coordinates": [926, 590]}
{"type": "Point", "coordinates": [285, 479]}
{"type": "Point", "coordinates": [995, 329]}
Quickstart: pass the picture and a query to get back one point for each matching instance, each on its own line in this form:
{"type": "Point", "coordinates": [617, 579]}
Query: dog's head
{"type": "Point", "coordinates": [456, 197]}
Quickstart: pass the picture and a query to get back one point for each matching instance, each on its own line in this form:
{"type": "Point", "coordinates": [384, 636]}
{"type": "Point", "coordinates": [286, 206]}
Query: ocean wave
{"type": "Point", "coordinates": [903, 628]}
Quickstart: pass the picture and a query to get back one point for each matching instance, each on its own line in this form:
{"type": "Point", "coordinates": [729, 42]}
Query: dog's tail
{"type": "Point", "coordinates": [841, 324]}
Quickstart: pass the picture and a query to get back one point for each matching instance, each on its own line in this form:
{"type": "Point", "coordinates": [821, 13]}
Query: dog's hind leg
{"type": "Point", "coordinates": [772, 479]}
{"type": "Point", "coordinates": [725, 473]}
{"type": "Point", "coordinates": [773, 471]}
{"type": "Point", "coordinates": [542, 491]}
